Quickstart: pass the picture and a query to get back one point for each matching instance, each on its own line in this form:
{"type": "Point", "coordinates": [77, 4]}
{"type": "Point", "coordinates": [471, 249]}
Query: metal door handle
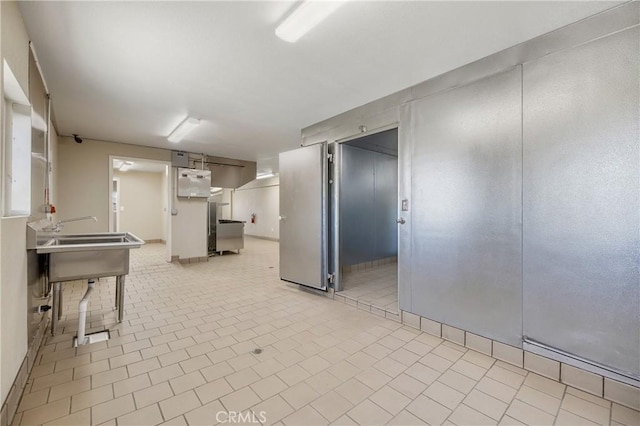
{"type": "Point", "coordinates": [281, 217]}
{"type": "Point", "coordinates": [401, 221]}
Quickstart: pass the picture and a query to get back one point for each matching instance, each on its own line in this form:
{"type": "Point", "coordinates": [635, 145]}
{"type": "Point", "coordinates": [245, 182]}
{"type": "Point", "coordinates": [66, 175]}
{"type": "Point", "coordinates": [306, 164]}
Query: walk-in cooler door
{"type": "Point", "coordinates": [303, 216]}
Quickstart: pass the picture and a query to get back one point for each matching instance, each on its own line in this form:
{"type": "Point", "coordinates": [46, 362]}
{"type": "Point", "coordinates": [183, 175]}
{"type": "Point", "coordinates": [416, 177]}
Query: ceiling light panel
{"type": "Point", "coordinates": [306, 16]}
{"type": "Point", "coordinates": [183, 129]}
{"type": "Point", "coordinates": [264, 176]}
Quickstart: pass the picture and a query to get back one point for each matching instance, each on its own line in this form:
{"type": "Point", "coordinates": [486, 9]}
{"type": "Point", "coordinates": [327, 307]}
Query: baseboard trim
{"type": "Point", "coordinates": [189, 260]}
{"type": "Point", "coordinates": [369, 265]}
{"type": "Point", "coordinates": [563, 369]}
{"type": "Point", "coordinates": [260, 237]}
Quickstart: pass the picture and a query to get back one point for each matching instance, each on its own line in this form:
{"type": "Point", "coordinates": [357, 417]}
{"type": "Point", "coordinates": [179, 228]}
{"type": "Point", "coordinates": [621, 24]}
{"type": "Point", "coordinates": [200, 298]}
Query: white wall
{"type": "Point", "coordinates": [261, 197]}
{"type": "Point", "coordinates": [142, 204]}
{"type": "Point", "coordinates": [14, 45]}
{"type": "Point", "coordinates": [227, 197]}
{"type": "Point", "coordinates": [164, 189]}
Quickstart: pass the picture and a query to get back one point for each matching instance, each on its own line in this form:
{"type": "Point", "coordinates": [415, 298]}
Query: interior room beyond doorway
{"type": "Point", "coordinates": [139, 199]}
{"type": "Point", "coordinates": [368, 233]}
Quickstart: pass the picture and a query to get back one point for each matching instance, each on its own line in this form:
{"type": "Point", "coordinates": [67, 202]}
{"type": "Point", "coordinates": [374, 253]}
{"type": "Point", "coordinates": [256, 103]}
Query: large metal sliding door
{"type": "Point", "coordinates": [582, 202]}
{"type": "Point", "coordinates": [303, 216]}
{"type": "Point", "coordinates": [466, 214]}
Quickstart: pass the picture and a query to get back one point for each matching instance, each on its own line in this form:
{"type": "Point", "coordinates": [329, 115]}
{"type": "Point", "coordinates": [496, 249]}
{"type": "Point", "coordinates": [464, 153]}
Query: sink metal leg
{"type": "Point", "coordinates": [120, 280]}
{"type": "Point", "coordinates": [60, 302]}
{"type": "Point", "coordinates": [117, 301]}
{"type": "Point", "coordinates": [55, 315]}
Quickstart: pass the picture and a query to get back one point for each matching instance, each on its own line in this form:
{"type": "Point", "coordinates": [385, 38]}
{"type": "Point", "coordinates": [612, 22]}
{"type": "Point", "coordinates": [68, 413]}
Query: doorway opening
{"type": "Point", "coordinates": [139, 201]}
{"type": "Point", "coordinates": [367, 208]}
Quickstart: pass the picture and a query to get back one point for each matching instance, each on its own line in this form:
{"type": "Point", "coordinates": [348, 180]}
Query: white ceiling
{"type": "Point", "coordinates": [131, 71]}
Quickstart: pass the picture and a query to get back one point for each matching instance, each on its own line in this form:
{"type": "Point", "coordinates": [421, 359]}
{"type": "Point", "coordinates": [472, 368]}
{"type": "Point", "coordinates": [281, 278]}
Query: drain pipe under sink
{"type": "Point", "coordinates": [82, 338]}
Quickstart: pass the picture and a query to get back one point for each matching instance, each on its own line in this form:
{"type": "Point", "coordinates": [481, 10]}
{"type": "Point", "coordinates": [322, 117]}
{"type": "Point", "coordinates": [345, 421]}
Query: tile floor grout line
{"type": "Point", "coordinates": [493, 363]}
{"type": "Point", "coordinates": [170, 305]}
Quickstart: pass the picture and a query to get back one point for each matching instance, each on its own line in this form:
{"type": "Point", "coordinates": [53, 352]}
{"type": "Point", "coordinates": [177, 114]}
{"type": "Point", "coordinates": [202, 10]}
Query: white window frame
{"type": "Point", "coordinates": [16, 167]}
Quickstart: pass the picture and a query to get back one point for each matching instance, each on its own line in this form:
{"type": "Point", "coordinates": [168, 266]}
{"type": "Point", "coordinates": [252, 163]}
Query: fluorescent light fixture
{"type": "Point", "coordinates": [265, 175]}
{"type": "Point", "coordinates": [126, 165]}
{"type": "Point", "coordinates": [306, 16]}
{"type": "Point", "coordinates": [183, 128]}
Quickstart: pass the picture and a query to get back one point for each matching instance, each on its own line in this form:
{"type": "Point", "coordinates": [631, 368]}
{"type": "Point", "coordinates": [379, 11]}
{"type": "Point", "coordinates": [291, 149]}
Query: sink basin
{"type": "Point", "coordinates": [70, 257]}
{"type": "Point", "coordinates": [86, 241]}
{"type": "Point", "coordinates": [83, 242]}
{"type": "Point", "coordinates": [82, 256]}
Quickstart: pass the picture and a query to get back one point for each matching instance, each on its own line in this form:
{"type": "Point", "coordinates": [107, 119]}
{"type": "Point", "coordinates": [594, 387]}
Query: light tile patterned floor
{"type": "Point", "coordinates": [184, 354]}
{"type": "Point", "coordinates": [377, 286]}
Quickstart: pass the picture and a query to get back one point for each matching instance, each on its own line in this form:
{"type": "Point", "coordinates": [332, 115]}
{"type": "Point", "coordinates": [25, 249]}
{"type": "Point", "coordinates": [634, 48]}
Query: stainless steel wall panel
{"type": "Point", "coordinates": [368, 204]}
{"type": "Point", "coordinates": [405, 149]}
{"type": "Point", "coordinates": [374, 115]}
{"type": "Point", "coordinates": [386, 205]}
{"type": "Point", "coordinates": [333, 222]}
{"type": "Point", "coordinates": [581, 201]}
{"type": "Point", "coordinates": [412, 279]}
{"type": "Point", "coordinates": [466, 214]}
{"type": "Point", "coordinates": [303, 213]}
{"type": "Point", "coordinates": [357, 206]}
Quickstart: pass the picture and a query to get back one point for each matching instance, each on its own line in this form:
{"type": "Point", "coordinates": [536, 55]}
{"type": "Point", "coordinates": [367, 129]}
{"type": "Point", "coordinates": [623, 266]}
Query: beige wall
{"type": "Point", "coordinates": [14, 46]}
{"type": "Point", "coordinates": [164, 189]}
{"type": "Point", "coordinates": [14, 297]}
{"type": "Point", "coordinates": [84, 190]}
{"type": "Point", "coordinates": [15, 43]}
{"type": "Point", "coordinates": [142, 204]}
{"type": "Point", "coordinates": [53, 175]}
{"type": "Point", "coordinates": [261, 197]}
{"type": "Point", "coordinates": [2, 389]}
{"type": "Point", "coordinates": [83, 179]}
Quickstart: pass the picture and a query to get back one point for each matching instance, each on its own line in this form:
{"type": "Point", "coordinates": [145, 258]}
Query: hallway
{"type": "Point", "coordinates": [185, 354]}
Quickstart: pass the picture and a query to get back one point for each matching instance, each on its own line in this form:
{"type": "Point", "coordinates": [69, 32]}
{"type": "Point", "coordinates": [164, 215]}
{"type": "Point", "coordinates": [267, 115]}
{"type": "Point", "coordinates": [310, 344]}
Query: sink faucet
{"type": "Point", "coordinates": [58, 226]}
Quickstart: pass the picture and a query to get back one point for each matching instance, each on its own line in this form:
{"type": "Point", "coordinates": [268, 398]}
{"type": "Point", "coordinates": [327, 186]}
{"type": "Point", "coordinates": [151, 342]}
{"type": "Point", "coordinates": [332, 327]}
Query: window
{"type": "Point", "coordinates": [16, 148]}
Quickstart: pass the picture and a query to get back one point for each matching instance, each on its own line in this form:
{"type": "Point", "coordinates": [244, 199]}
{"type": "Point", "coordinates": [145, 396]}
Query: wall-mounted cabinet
{"type": "Point", "coordinates": [194, 183]}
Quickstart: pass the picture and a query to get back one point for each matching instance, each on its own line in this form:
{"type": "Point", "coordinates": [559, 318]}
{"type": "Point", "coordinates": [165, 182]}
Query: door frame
{"type": "Point", "coordinates": [115, 227]}
{"type": "Point", "coordinates": [335, 181]}
{"type": "Point", "coordinates": [167, 176]}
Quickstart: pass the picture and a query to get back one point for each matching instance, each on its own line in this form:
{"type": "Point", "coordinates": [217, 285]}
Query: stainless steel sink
{"type": "Point", "coordinates": [85, 256]}
{"type": "Point", "coordinates": [56, 243]}
{"type": "Point", "coordinates": [82, 256]}
{"type": "Point", "coordinates": [85, 241]}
